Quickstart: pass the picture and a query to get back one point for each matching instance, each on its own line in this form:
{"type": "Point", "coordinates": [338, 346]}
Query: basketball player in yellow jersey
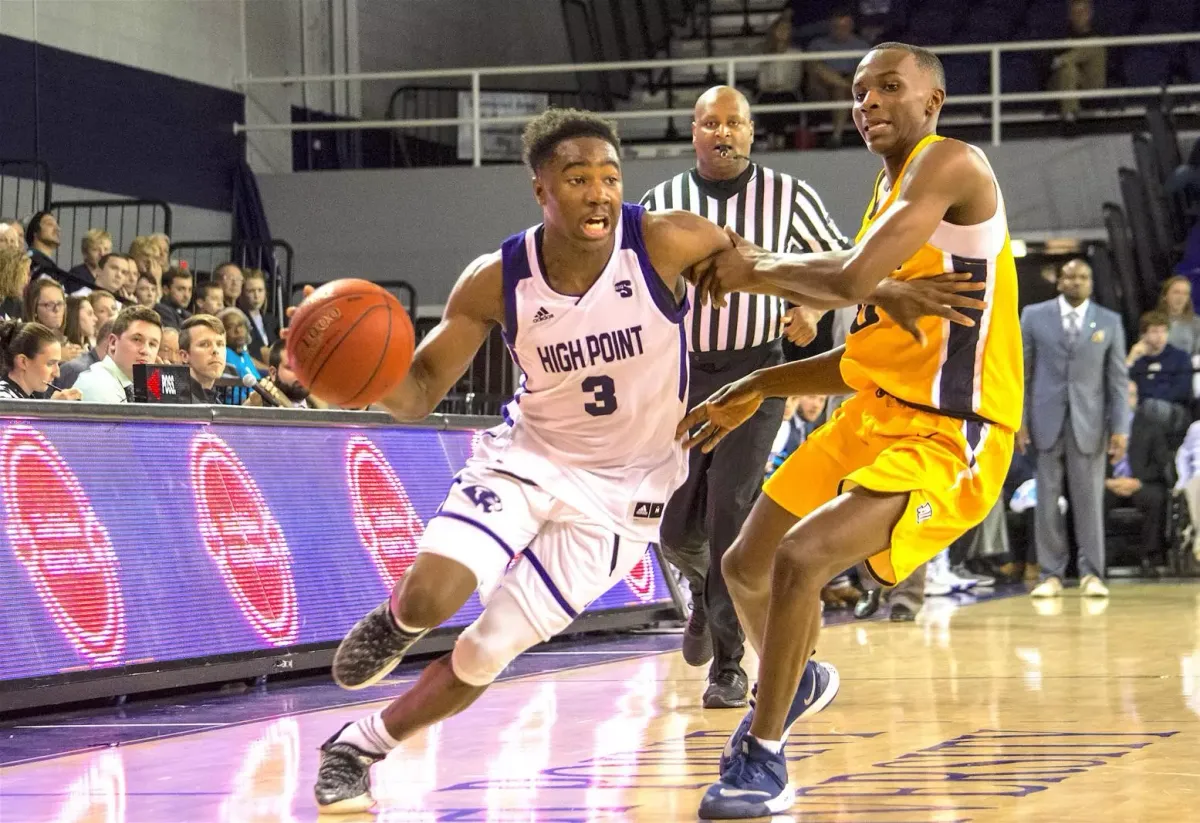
{"type": "Point", "coordinates": [917, 457]}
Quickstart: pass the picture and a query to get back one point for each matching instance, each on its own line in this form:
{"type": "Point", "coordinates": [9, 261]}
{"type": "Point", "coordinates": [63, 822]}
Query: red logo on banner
{"type": "Point", "coordinates": [64, 547]}
{"type": "Point", "coordinates": [244, 539]}
{"type": "Point", "coordinates": [641, 577]}
{"type": "Point", "coordinates": [387, 524]}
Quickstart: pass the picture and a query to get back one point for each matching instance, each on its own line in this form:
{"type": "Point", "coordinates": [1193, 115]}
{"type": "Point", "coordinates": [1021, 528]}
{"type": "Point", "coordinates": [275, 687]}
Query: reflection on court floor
{"type": "Point", "coordinates": [991, 712]}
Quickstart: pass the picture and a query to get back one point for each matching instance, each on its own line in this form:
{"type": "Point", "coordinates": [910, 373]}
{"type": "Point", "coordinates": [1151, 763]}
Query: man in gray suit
{"type": "Point", "coordinates": [1075, 386]}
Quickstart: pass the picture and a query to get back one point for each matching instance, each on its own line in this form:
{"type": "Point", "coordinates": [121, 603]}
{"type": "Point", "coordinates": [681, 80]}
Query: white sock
{"type": "Point", "coordinates": [369, 734]}
{"type": "Point", "coordinates": [773, 746]}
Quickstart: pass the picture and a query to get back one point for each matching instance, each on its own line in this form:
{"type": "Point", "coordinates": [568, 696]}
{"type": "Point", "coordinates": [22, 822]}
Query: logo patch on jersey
{"type": "Point", "coordinates": [484, 498]}
{"type": "Point", "coordinates": [924, 512]}
{"type": "Point", "coordinates": [647, 511]}
{"type": "Point", "coordinates": [624, 288]}
{"type": "Point", "coordinates": [542, 314]}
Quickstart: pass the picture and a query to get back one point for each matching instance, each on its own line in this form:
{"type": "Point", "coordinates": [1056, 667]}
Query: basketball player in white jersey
{"type": "Point", "coordinates": [563, 498]}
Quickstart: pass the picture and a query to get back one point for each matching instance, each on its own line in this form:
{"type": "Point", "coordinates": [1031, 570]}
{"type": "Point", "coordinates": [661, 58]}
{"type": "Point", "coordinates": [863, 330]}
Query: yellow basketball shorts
{"type": "Point", "coordinates": [953, 471]}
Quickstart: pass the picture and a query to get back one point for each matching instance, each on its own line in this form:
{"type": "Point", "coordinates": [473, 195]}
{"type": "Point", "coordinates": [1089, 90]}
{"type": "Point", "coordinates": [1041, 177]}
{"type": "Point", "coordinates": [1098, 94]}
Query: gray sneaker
{"type": "Point", "coordinates": [697, 639]}
{"type": "Point", "coordinates": [344, 777]}
{"type": "Point", "coordinates": [374, 647]}
{"type": "Point", "coordinates": [726, 691]}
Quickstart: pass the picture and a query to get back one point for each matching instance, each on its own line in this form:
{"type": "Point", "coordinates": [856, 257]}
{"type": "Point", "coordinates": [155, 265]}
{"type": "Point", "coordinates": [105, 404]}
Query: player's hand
{"type": "Point", "coordinates": [1116, 448]}
{"type": "Point", "coordinates": [290, 310]}
{"type": "Point", "coordinates": [800, 324]}
{"type": "Point", "coordinates": [728, 408]}
{"type": "Point", "coordinates": [907, 301]}
{"type": "Point", "coordinates": [67, 394]}
{"type": "Point", "coordinates": [1022, 439]}
{"type": "Point", "coordinates": [728, 271]}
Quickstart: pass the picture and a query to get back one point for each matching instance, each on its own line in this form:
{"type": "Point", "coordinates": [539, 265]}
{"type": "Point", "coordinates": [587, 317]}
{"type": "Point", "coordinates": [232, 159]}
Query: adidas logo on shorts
{"type": "Point", "coordinates": [542, 314]}
{"type": "Point", "coordinates": [924, 512]}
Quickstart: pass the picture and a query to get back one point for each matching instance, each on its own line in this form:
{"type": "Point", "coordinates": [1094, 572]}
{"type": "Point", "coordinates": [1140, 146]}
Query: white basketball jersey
{"type": "Point", "coordinates": [603, 386]}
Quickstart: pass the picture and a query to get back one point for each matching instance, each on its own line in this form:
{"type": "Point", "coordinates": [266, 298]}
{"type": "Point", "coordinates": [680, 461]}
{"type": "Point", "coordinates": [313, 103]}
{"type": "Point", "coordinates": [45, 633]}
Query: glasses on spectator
{"type": "Point", "coordinates": [55, 306]}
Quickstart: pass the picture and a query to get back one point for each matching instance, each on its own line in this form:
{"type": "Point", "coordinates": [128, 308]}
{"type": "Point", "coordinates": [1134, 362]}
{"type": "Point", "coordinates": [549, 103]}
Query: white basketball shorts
{"type": "Point", "coordinates": [511, 532]}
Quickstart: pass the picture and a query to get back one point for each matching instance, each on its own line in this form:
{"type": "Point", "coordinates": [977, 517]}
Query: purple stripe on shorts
{"type": "Point", "coordinates": [464, 519]}
{"type": "Point", "coordinates": [542, 573]}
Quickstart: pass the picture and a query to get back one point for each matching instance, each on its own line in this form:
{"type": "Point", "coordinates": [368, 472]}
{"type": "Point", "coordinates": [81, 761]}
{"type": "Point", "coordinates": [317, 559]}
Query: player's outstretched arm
{"type": "Point", "coordinates": [948, 178]}
{"type": "Point", "coordinates": [475, 304]}
{"type": "Point", "coordinates": [736, 403]}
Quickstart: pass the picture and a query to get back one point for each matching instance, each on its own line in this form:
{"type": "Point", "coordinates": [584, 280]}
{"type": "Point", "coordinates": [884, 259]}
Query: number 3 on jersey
{"type": "Point", "coordinates": [604, 397]}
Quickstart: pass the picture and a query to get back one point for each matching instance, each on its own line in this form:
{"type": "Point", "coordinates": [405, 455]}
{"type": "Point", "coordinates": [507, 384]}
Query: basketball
{"type": "Point", "coordinates": [350, 342]}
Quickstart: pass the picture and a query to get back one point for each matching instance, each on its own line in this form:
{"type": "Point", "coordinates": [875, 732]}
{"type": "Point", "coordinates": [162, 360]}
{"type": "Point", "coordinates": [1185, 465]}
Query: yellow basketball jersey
{"type": "Point", "coordinates": [962, 371]}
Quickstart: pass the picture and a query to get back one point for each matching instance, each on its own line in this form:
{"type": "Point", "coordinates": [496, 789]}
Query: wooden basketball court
{"type": "Point", "coordinates": [1004, 710]}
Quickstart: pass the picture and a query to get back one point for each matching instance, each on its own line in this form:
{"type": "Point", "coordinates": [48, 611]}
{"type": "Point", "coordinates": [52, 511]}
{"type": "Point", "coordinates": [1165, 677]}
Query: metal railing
{"type": "Point", "coordinates": [123, 219]}
{"type": "Point", "coordinates": [993, 99]}
{"type": "Point", "coordinates": [276, 260]}
{"type": "Point", "coordinates": [25, 188]}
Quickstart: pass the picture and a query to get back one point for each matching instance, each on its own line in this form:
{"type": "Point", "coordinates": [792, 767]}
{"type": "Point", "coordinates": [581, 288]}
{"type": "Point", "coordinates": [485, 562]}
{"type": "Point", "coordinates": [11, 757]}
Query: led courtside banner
{"type": "Point", "coordinates": [133, 543]}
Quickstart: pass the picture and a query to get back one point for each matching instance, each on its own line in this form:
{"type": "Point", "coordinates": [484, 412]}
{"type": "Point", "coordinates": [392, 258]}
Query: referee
{"type": "Point", "coordinates": [779, 213]}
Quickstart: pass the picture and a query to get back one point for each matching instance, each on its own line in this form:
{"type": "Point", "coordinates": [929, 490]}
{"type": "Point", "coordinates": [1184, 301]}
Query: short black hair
{"type": "Point", "coordinates": [275, 356]}
{"type": "Point", "coordinates": [926, 60]}
{"type": "Point", "coordinates": [543, 134]}
{"type": "Point", "coordinates": [34, 226]}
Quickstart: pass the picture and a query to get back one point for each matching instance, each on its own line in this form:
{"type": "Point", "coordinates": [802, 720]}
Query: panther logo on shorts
{"type": "Point", "coordinates": [484, 498]}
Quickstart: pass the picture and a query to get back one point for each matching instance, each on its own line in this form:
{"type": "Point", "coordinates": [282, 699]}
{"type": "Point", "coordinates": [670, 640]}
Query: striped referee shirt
{"type": "Point", "coordinates": [770, 209]}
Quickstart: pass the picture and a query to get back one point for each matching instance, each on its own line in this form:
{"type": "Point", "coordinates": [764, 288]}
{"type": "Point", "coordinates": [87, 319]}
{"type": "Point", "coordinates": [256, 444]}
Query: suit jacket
{"type": "Point", "coordinates": [1090, 378]}
{"type": "Point", "coordinates": [271, 324]}
{"type": "Point", "coordinates": [172, 316]}
{"type": "Point", "coordinates": [69, 372]}
{"type": "Point", "coordinates": [1150, 458]}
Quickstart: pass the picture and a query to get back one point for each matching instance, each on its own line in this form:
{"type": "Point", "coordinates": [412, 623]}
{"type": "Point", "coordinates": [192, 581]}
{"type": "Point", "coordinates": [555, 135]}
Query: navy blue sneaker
{"type": "Point", "coordinates": [755, 785]}
{"type": "Point", "coordinates": [818, 686]}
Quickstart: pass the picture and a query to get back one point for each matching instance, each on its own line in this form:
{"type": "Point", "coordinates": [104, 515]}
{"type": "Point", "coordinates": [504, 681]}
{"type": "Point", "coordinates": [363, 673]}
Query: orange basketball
{"type": "Point", "coordinates": [350, 342]}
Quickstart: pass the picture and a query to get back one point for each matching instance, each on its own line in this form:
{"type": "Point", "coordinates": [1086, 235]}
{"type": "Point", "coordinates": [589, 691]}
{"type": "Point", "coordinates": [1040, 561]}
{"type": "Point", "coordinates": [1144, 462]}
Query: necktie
{"type": "Point", "coordinates": [1072, 328]}
{"type": "Point", "coordinates": [129, 394]}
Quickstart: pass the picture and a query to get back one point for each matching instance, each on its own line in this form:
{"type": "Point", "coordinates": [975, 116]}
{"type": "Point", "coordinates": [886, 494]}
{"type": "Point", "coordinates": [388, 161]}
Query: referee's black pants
{"type": "Point", "coordinates": [706, 513]}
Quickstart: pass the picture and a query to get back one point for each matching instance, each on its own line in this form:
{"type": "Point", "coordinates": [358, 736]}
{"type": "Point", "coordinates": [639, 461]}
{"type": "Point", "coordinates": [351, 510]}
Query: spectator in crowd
{"type": "Point", "coordinates": [110, 275]}
{"type": "Point", "coordinates": [80, 327]}
{"type": "Point", "coordinates": [168, 352]}
{"type": "Point", "coordinates": [43, 236]}
{"type": "Point", "coordinates": [162, 243]}
{"type": "Point", "coordinates": [14, 277]}
{"type": "Point", "coordinates": [1082, 67]}
{"type": "Point", "coordinates": [238, 362]}
{"type": "Point", "coordinates": [282, 382]}
{"type": "Point", "coordinates": [1176, 303]}
{"type": "Point", "coordinates": [877, 19]}
{"type": "Point", "coordinates": [1143, 477]}
{"type": "Point", "coordinates": [778, 82]}
{"type": "Point", "coordinates": [71, 369]}
{"type": "Point", "coordinates": [95, 244]}
{"type": "Point", "coordinates": [1075, 394]}
{"type": "Point", "coordinates": [229, 276]}
{"type": "Point", "coordinates": [135, 338]}
{"type": "Point", "coordinates": [177, 294]}
{"type": "Point", "coordinates": [202, 348]}
{"type": "Point", "coordinates": [830, 80]}
{"type": "Point", "coordinates": [12, 236]}
{"type": "Point", "coordinates": [1161, 371]}
{"type": "Point", "coordinates": [264, 328]}
{"type": "Point", "coordinates": [105, 306]}
{"type": "Point", "coordinates": [802, 415]}
{"type": "Point", "coordinates": [144, 250]}
{"type": "Point", "coordinates": [46, 303]}
{"type": "Point", "coordinates": [146, 291]}
{"type": "Point", "coordinates": [210, 298]}
{"type": "Point", "coordinates": [29, 358]}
